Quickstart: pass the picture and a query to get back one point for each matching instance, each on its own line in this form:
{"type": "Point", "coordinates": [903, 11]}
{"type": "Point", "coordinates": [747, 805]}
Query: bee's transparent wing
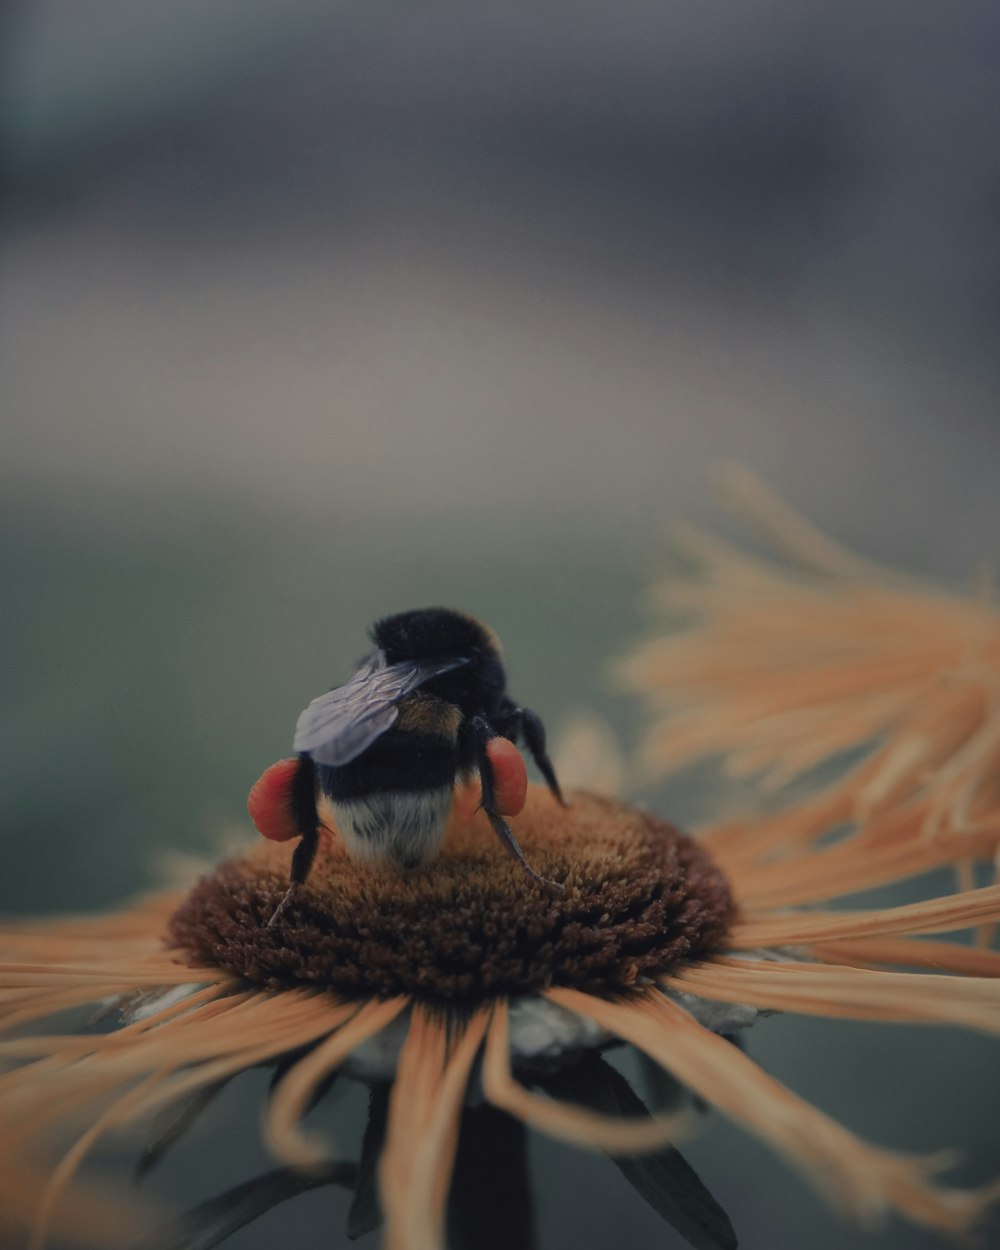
{"type": "Point", "coordinates": [337, 727]}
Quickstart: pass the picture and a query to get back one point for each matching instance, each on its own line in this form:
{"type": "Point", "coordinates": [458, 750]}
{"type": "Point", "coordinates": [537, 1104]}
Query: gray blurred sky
{"type": "Point", "coordinates": [511, 266]}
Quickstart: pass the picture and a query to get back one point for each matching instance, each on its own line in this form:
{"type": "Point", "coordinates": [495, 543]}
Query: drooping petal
{"type": "Point", "coordinates": [111, 1081]}
{"type": "Point", "coordinates": [856, 993]}
{"type": "Point", "coordinates": [861, 1178]}
{"type": "Point", "coordinates": [269, 1025]}
{"type": "Point", "coordinates": [578, 1125]}
{"type": "Point", "coordinates": [207, 1002]}
{"type": "Point", "coordinates": [70, 1162]}
{"type": "Point", "coordinates": [291, 1097]}
{"type": "Point", "coordinates": [424, 1111]}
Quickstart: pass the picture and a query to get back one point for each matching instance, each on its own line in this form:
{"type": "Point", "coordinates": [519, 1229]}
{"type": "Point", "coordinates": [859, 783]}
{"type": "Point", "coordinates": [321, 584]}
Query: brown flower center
{"type": "Point", "coordinates": [639, 897]}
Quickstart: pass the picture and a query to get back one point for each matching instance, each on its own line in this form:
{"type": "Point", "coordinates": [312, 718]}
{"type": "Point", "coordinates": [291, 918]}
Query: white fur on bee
{"type": "Point", "coordinates": [404, 827]}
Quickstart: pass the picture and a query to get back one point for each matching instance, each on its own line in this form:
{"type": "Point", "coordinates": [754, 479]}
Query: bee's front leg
{"type": "Point", "coordinates": [481, 733]}
{"type": "Point", "coordinates": [521, 722]}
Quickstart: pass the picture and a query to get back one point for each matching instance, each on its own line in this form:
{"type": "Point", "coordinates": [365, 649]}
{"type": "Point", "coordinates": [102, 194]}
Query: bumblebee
{"type": "Point", "coordinates": [387, 748]}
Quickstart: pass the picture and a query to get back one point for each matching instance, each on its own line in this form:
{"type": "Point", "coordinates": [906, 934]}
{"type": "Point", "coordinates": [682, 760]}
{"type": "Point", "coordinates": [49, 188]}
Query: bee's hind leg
{"type": "Point", "coordinates": [307, 822]}
{"type": "Point", "coordinates": [481, 733]}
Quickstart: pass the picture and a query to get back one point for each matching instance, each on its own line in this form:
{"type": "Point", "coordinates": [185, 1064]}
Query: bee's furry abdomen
{"type": "Point", "coordinates": [392, 802]}
{"type": "Point", "coordinates": [399, 826]}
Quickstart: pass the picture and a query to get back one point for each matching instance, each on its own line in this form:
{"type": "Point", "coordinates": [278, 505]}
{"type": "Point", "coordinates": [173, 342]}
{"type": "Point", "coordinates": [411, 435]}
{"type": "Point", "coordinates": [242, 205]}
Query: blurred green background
{"type": "Point", "coordinates": [314, 312]}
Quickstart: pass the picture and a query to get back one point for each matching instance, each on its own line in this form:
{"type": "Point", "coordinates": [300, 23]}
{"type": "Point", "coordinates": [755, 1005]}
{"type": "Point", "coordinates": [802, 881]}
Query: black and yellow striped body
{"type": "Point", "coordinates": [393, 801]}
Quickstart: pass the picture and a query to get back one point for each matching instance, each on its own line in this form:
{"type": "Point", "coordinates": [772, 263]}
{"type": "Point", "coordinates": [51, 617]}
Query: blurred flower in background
{"type": "Point", "coordinates": [842, 663]}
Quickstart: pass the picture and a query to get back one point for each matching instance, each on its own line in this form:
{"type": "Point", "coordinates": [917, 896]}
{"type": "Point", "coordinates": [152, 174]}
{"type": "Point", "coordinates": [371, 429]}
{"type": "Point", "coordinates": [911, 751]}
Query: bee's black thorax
{"type": "Point", "coordinates": [429, 632]}
{"type": "Point", "coordinates": [478, 687]}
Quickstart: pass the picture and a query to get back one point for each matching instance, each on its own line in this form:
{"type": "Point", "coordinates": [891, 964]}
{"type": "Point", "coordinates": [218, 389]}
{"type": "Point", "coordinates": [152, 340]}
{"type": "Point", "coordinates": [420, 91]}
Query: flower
{"type": "Point", "coordinates": [366, 963]}
{"type": "Point", "coordinates": [643, 941]}
{"type": "Point", "coordinates": [658, 940]}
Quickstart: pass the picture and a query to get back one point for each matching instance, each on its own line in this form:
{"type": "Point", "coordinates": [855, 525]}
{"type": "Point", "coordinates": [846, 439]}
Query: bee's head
{"type": "Point", "coordinates": [428, 632]}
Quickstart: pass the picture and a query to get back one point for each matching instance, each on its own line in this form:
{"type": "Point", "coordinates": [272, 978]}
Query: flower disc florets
{"type": "Point", "coordinates": [639, 897]}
